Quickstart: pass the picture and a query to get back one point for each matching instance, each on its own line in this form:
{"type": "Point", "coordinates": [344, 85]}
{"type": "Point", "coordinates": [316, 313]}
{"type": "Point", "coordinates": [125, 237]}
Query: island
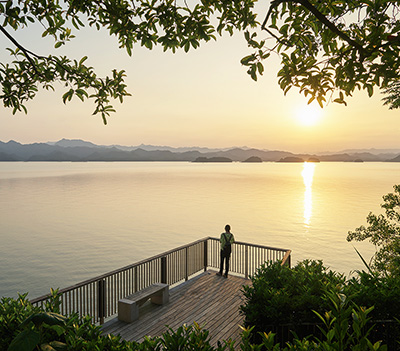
{"type": "Point", "coordinates": [313, 159]}
{"type": "Point", "coordinates": [253, 159]}
{"type": "Point", "coordinates": [291, 159]}
{"type": "Point", "coordinates": [212, 159]}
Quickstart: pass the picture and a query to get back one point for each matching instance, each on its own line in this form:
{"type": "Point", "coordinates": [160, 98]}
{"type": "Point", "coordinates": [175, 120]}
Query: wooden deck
{"type": "Point", "coordinates": [209, 300]}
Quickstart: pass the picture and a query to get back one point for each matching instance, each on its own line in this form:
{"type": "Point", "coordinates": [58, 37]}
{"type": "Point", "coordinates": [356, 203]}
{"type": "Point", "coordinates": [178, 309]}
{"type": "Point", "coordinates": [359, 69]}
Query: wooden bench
{"type": "Point", "coordinates": [128, 307]}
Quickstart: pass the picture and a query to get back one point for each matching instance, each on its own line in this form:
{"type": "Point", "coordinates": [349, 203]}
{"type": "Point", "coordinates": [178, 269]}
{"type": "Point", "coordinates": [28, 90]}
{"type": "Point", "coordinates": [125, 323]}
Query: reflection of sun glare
{"type": "Point", "coordinates": [309, 115]}
{"type": "Point", "coordinates": [308, 174]}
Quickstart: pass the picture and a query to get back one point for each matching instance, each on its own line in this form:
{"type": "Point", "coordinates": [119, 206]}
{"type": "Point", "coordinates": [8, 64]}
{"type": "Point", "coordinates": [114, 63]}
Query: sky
{"type": "Point", "coordinates": [202, 98]}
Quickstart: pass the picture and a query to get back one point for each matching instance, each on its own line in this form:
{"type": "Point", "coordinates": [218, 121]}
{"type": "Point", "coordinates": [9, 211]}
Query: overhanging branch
{"type": "Point", "coordinates": [321, 17]}
{"type": "Point", "coordinates": [27, 53]}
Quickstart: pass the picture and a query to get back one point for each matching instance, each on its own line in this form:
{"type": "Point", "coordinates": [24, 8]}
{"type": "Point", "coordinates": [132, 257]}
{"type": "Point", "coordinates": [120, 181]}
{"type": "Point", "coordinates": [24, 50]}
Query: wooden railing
{"type": "Point", "coordinates": [98, 297]}
{"type": "Point", "coordinates": [246, 258]}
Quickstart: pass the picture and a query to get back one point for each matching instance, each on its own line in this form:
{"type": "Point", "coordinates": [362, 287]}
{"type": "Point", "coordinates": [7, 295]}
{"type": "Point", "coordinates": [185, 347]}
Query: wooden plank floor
{"type": "Point", "coordinates": [209, 300]}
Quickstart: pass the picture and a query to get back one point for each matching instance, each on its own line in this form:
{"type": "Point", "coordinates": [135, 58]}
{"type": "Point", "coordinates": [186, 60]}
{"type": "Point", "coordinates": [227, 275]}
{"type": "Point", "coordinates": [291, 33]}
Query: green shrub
{"type": "Point", "coordinates": [344, 327]}
{"type": "Point", "coordinates": [27, 328]}
{"type": "Point", "coordinates": [279, 295]}
{"type": "Point", "coordinates": [283, 300]}
{"type": "Point", "coordinates": [381, 292]}
{"type": "Point", "coordinates": [12, 313]}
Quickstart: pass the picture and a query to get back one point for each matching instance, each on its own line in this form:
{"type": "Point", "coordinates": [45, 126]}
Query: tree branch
{"type": "Point", "coordinates": [28, 54]}
{"type": "Point", "coordinates": [19, 46]}
{"type": "Point", "coordinates": [322, 18]}
{"type": "Point", "coordinates": [330, 25]}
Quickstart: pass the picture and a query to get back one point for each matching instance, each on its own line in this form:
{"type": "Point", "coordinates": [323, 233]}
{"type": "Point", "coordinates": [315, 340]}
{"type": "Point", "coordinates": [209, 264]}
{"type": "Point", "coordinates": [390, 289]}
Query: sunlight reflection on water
{"type": "Point", "coordinates": [308, 174]}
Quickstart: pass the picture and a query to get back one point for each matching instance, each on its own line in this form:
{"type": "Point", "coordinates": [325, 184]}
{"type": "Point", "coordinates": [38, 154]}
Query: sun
{"type": "Point", "coordinates": [309, 115]}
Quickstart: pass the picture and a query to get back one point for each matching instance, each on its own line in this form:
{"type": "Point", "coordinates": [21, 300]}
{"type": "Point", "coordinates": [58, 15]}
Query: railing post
{"type": "Point", "coordinates": [101, 294]}
{"type": "Point", "coordinates": [186, 263]}
{"type": "Point", "coordinates": [246, 262]}
{"type": "Point", "coordinates": [164, 270]}
{"type": "Point", "coordinates": [288, 263]}
{"type": "Point", "coordinates": [205, 254]}
{"type": "Point", "coordinates": [135, 279]}
{"type": "Point", "coordinates": [286, 258]}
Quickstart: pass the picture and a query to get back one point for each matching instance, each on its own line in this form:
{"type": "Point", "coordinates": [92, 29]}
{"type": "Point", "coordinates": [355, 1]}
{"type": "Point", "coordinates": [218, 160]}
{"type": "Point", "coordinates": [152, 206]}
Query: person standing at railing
{"type": "Point", "coordinates": [226, 239]}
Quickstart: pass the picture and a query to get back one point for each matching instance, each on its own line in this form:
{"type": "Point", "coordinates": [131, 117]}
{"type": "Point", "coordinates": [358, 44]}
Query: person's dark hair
{"type": "Point", "coordinates": [227, 227]}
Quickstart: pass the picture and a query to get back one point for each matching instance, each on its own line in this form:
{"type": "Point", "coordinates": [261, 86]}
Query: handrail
{"type": "Point", "coordinates": [119, 270]}
{"type": "Point", "coordinates": [98, 297]}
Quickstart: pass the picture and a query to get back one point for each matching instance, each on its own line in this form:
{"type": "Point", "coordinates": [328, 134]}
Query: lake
{"type": "Point", "coordinates": [62, 223]}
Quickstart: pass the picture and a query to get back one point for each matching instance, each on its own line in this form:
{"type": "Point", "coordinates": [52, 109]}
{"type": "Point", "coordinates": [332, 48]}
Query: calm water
{"type": "Point", "coordinates": [62, 223]}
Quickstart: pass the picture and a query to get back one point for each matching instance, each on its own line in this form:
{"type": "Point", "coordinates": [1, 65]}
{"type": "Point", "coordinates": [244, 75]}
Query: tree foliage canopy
{"type": "Point", "coordinates": [143, 22]}
{"type": "Point", "coordinates": [328, 49]}
{"type": "Point", "coordinates": [384, 232]}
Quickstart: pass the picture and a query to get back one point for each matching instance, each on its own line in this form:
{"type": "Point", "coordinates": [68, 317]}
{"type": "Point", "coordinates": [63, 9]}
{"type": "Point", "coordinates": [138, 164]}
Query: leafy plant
{"type": "Point", "coordinates": [367, 290]}
{"type": "Point", "coordinates": [187, 338]}
{"type": "Point", "coordinates": [12, 313]}
{"type": "Point", "coordinates": [346, 325]}
{"type": "Point", "coordinates": [37, 330]}
{"type": "Point", "coordinates": [280, 295]}
{"type": "Point", "coordinates": [383, 231]}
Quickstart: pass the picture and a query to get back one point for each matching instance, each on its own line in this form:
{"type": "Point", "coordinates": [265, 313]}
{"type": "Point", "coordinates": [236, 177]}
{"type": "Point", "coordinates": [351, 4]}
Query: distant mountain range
{"type": "Point", "coordinates": [83, 151]}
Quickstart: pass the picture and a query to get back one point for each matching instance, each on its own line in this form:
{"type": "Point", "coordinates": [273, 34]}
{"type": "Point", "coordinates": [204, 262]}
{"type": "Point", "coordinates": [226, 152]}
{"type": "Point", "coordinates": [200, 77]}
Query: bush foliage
{"type": "Point", "coordinates": [291, 302]}
{"type": "Point", "coordinates": [370, 290]}
{"type": "Point", "coordinates": [281, 295]}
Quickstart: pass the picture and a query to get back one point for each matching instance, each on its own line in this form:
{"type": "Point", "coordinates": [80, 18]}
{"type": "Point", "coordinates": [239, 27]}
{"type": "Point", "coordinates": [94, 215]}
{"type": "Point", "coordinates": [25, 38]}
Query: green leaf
{"type": "Point", "coordinates": [25, 341]}
{"type": "Point", "coordinates": [129, 50]}
{"type": "Point", "coordinates": [320, 99]}
{"type": "Point", "coordinates": [245, 60]}
{"type": "Point", "coordinates": [365, 263]}
{"type": "Point", "coordinates": [68, 95]}
{"type": "Point", "coordinates": [58, 329]}
{"type": "Point", "coordinates": [49, 318]}
{"type": "Point", "coordinates": [260, 67]}
{"type": "Point", "coordinates": [187, 46]}
{"type": "Point", "coordinates": [370, 90]}
{"type": "Point", "coordinates": [82, 60]}
{"type": "Point", "coordinates": [253, 72]}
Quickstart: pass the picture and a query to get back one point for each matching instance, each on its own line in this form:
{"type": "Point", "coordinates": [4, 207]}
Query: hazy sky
{"type": "Point", "coordinates": [202, 98]}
